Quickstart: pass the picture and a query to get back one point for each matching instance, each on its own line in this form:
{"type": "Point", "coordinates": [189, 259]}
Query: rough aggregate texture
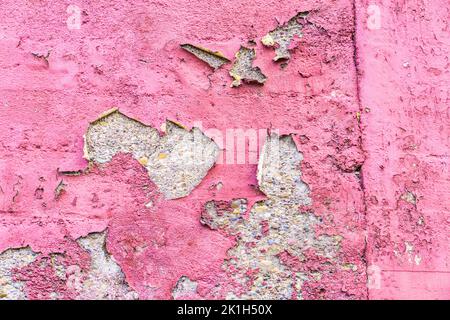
{"type": "Point", "coordinates": [243, 69]}
{"type": "Point", "coordinates": [279, 170]}
{"type": "Point", "coordinates": [281, 38]}
{"type": "Point", "coordinates": [105, 279]}
{"type": "Point", "coordinates": [9, 260]}
{"type": "Point", "coordinates": [406, 174]}
{"type": "Point", "coordinates": [274, 230]}
{"type": "Point", "coordinates": [184, 288]}
{"type": "Point", "coordinates": [176, 162]}
{"type": "Point", "coordinates": [114, 132]}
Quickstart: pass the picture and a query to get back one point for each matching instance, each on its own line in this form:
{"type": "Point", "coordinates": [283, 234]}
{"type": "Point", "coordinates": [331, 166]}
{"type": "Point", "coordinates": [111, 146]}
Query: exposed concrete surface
{"type": "Point", "coordinates": [90, 274]}
{"type": "Point", "coordinates": [358, 211]}
{"type": "Point", "coordinates": [9, 260]}
{"type": "Point", "coordinates": [275, 239]}
{"type": "Point", "coordinates": [213, 58]}
{"type": "Point", "coordinates": [105, 279]}
{"type": "Point", "coordinates": [176, 162]}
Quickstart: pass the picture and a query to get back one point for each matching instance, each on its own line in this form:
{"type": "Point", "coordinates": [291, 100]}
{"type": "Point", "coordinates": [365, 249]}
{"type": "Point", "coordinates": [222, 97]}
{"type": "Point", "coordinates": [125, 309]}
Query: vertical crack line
{"type": "Point", "coordinates": [360, 128]}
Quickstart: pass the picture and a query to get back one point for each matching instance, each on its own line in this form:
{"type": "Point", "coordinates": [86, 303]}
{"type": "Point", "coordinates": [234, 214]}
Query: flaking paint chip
{"type": "Point", "coordinates": [214, 59]}
{"type": "Point", "coordinates": [143, 161]}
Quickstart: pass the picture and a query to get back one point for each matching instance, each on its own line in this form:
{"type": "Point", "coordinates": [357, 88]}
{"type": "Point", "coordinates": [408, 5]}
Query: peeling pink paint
{"type": "Point", "coordinates": [406, 129]}
{"type": "Point", "coordinates": [393, 119]}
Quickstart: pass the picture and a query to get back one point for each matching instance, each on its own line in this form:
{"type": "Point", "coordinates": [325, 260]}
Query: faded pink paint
{"type": "Point", "coordinates": [127, 54]}
{"type": "Point", "coordinates": [405, 85]}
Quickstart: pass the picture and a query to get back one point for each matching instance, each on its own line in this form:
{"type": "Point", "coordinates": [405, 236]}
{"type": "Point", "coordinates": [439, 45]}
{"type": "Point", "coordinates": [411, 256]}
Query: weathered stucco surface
{"type": "Point", "coordinates": [342, 110]}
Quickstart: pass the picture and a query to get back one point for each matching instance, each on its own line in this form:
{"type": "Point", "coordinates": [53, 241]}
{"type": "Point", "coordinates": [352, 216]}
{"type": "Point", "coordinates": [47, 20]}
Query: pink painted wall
{"type": "Point", "coordinates": [406, 128]}
{"type": "Point", "coordinates": [388, 113]}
